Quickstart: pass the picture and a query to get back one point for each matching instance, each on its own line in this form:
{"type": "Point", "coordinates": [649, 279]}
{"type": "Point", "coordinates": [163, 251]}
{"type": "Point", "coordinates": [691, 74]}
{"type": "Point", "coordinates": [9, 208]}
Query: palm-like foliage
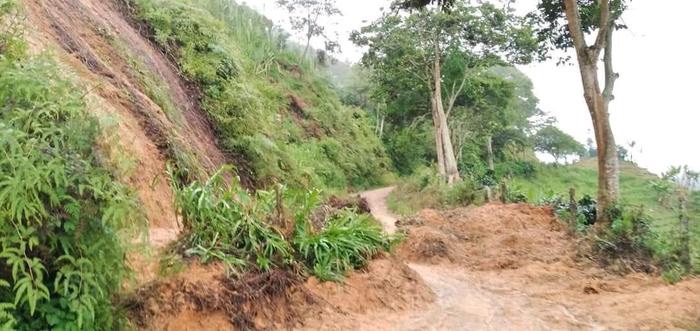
{"type": "Point", "coordinates": [348, 241]}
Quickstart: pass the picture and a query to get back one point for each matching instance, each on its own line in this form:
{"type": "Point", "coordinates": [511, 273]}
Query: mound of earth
{"type": "Point", "coordinates": [490, 237]}
{"type": "Point", "coordinates": [515, 267]}
{"type": "Point", "coordinates": [204, 298]}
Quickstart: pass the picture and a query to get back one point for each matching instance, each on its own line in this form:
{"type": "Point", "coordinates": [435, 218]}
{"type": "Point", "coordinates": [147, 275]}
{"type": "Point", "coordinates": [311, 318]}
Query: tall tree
{"type": "Point", "coordinates": [415, 45]}
{"type": "Point", "coordinates": [304, 18]}
{"type": "Point", "coordinates": [566, 24]}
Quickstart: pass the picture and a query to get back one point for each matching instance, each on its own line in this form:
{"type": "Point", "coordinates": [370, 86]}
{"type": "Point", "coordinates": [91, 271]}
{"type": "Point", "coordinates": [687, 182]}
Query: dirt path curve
{"type": "Point", "coordinates": [463, 302]}
{"type": "Point", "coordinates": [376, 199]}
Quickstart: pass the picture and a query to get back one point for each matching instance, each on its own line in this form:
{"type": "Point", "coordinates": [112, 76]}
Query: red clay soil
{"type": "Point", "coordinates": [202, 298]}
{"type": "Point", "coordinates": [93, 40]}
{"type": "Point", "coordinates": [515, 267]}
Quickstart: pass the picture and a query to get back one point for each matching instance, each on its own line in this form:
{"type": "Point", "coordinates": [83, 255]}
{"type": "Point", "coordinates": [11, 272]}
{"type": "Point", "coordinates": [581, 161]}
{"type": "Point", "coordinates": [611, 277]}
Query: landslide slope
{"type": "Point", "coordinates": [200, 84]}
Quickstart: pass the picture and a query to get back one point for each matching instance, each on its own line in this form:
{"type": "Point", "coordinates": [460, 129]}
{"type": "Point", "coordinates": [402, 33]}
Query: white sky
{"type": "Point", "coordinates": [657, 59]}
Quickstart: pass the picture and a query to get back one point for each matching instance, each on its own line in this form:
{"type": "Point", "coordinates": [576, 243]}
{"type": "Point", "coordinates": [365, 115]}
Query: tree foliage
{"type": "Point", "coordinates": [407, 50]}
{"type": "Point", "coordinates": [304, 18]}
{"type": "Point", "coordinates": [557, 143]}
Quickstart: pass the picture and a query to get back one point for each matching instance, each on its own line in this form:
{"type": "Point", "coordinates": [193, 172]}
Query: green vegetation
{"type": "Point", "coordinates": [268, 106]}
{"type": "Point", "coordinates": [61, 213]}
{"type": "Point", "coordinates": [426, 189]}
{"type": "Point", "coordinates": [347, 241]}
{"type": "Point", "coordinates": [553, 183]}
{"type": "Point", "coordinates": [225, 223]}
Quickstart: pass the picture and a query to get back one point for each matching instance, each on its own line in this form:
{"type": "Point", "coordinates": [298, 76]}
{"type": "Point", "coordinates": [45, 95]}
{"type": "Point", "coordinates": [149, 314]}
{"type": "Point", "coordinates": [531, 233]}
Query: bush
{"type": "Point", "coordinates": [348, 241]}
{"type": "Point", "coordinates": [223, 222]}
{"type": "Point", "coordinates": [516, 168]}
{"type": "Point", "coordinates": [514, 194]}
{"type": "Point", "coordinates": [63, 261]}
{"type": "Point", "coordinates": [426, 189]}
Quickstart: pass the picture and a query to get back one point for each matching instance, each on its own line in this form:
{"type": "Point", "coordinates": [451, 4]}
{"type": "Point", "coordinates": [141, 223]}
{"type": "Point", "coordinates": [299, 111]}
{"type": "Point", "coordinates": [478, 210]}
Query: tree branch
{"type": "Point", "coordinates": [574, 18]}
{"type": "Point", "coordinates": [454, 94]}
{"type": "Point", "coordinates": [610, 75]}
{"type": "Point", "coordinates": [604, 25]}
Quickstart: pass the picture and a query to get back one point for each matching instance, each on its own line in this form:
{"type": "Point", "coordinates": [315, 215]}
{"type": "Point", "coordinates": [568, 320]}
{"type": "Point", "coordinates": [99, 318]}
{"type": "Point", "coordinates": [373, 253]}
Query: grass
{"type": "Point", "coordinates": [426, 190]}
{"type": "Point", "coordinates": [267, 104]}
{"type": "Point", "coordinates": [255, 231]}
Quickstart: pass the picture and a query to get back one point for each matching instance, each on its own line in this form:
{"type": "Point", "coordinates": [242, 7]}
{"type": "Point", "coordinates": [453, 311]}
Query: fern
{"type": "Point", "coordinates": [60, 210]}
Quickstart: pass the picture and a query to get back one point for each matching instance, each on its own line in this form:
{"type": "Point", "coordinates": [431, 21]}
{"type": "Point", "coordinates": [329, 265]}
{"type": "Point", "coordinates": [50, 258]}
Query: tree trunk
{"type": "Point", "coordinates": [381, 127]}
{"type": "Point", "coordinates": [489, 152]}
{"type": "Point", "coordinates": [439, 149]}
{"type": "Point", "coordinates": [441, 127]}
{"type": "Point", "coordinates": [597, 100]}
{"type": "Point", "coordinates": [608, 168]}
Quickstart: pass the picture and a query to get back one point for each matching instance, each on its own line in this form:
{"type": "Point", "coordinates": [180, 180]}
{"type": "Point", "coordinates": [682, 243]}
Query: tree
{"type": "Point", "coordinates": [305, 15]}
{"type": "Point", "coordinates": [566, 23]}
{"type": "Point", "coordinates": [413, 47]}
{"type": "Point", "coordinates": [557, 143]}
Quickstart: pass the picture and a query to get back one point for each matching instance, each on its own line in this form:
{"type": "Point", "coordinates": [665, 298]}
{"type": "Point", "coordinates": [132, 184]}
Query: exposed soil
{"type": "Point", "coordinates": [513, 267]}
{"type": "Point", "coordinates": [96, 42]}
{"type": "Point", "coordinates": [204, 298]}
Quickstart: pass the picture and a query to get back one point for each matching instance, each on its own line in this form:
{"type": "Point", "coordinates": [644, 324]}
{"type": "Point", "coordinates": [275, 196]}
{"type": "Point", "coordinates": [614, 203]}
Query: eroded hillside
{"type": "Point", "coordinates": [173, 84]}
{"type": "Point", "coordinates": [149, 112]}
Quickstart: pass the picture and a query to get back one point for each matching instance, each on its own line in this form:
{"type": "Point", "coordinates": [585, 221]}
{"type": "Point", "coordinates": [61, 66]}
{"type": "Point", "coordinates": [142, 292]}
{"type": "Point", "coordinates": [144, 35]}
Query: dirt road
{"type": "Point", "coordinates": [512, 267]}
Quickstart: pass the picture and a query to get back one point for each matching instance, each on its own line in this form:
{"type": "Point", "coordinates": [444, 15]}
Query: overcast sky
{"type": "Point", "coordinates": [657, 59]}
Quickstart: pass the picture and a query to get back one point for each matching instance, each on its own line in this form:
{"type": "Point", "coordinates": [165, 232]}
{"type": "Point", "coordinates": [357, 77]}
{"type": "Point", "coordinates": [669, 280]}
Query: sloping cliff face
{"type": "Point", "coordinates": [150, 114]}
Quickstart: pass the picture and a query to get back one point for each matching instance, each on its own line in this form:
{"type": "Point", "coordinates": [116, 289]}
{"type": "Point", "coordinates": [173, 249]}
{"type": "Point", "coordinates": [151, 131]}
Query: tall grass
{"type": "Point", "coordinates": [348, 241]}
{"type": "Point", "coordinates": [224, 222]}
{"type": "Point", "coordinates": [637, 194]}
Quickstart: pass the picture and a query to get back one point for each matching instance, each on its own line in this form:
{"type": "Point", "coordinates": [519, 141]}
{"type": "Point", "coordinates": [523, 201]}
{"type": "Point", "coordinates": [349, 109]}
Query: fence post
{"type": "Point", "coordinates": [504, 192]}
{"type": "Point", "coordinates": [573, 207]}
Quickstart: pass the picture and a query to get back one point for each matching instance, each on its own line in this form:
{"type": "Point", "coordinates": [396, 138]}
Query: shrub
{"type": "Point", "coordinates": [348, 241]}
{"type": "Point", "coordinates": [61, 212]}
{"type": "Point", "coordinates": [514, 194]}
{"type": "Point", "coordinates": [516, 168]}
{"type": "Point", "coordinates": [223, 222]}
{"type": "Point", "coordinates": [426, 189]}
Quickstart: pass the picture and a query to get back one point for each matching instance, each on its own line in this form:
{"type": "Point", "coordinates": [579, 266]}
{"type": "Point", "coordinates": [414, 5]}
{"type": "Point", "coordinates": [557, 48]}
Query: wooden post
{"type": "Point", "coordinates": [573, 206]}
{"type": "Point", "coordinates": [504, 192]}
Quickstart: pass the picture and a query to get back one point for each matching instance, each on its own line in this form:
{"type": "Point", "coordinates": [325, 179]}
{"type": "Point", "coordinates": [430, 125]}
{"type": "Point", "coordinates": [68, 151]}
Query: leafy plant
{"type": "Point", "coordinates": [224, 222]}
{"type": "Point", "coordinates": [347, 241]}
{"type": "Point", "coordinates": [61, 212]}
